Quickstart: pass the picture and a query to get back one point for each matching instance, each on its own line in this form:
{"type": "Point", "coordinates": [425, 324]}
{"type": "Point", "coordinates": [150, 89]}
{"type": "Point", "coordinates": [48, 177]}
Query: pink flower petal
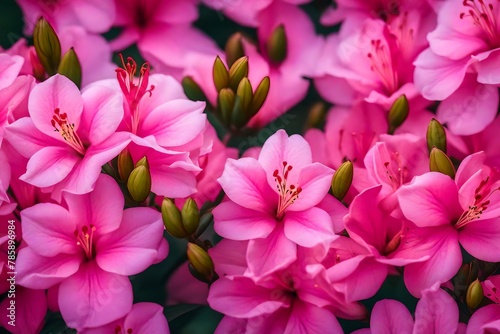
{"type": "Point", "coordinates": [315, 181]}
{"type": "Point", "coordinates": [482, 239]}
{"type": "Point", "coordinates": [39, 272]}
{"type": "Point", "coordinates": [307, 318]}
{"type": "Point", "coordinates": [485, 320]}
{"type": "Point", "coordinates": [146, 318]}
{"type": "Point", "coordinates": [30, 310]}
{"type": "Point", "coordinates": [238, 223]}
{"type": "Point", "coordinates": [93, 297]}
{"type": "Point", "coordinates": [133, 247]}
{"type": "Point", "coordinates": [309, 228]}
{"type": "Point", "coordinates": [436, 312]}
{"type": "Point", "coordinates": [390, 317]}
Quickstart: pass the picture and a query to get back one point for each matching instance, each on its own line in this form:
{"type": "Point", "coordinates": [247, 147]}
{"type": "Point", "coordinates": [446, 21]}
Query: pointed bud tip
{"type": "Point", "coordinates": [440, 162]}
{"type": "Point", "coordinates": [139, 183]}
{"type": "Point", "coordinates": [342, 180]}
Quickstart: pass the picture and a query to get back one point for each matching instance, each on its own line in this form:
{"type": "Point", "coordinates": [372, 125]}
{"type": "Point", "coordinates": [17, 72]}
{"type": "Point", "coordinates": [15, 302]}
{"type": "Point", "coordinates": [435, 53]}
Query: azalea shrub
{"type": "Point", "coordinates": [242, 166]}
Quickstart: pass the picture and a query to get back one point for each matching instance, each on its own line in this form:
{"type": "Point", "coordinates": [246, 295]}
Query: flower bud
{"type": "Point", "coordinates": [226, 104]}
{"type": "Point", "coordinates": [172, 220]}
{"type": "Point", "coordinates": [234, 48]}
{"type": "Point", "coordinates": [38, 70]}
{"type": "Point", "coordinates": [436, 136]}
{"type": "Point", "coordinates": [139, 183]}
{"type": "Point", "coordinates": [245, 93]}
{"type": "Point", "coordinates": [143, 162]}
{"type": "Point", "coordinates": [70, 67]}
{"type": "Point", "coordinates": [277, 45]}
{"type": "Point", "coordinates": [47, 46]}
{"type": "Point", "coordinates": [190, 216]}
{"type": "Point", "coordinates": [220, 74]}
{"type": "Point", "coordinates": [439, 162]}
{"type": "Point", "coordinates": [125, 164]}
{"type": "Point", "coordinates": [238, 117]}
{"type": "Point", "coordinates": [316, 116]}
{"type": "Point", "coordinates": [398, 113]}
{"type": "Point", "coordinates": [474, 295]}
{"type": "Point", "coordinates": [201, 262]}
{"type": "Point", "coordinates": [238, 71]}
{"type": "Point", "coordinates": [259, 97]}
{"type": "Point", "coordinates": [342, 179]}
{"type": "Point", "coordinates": [192, 90]}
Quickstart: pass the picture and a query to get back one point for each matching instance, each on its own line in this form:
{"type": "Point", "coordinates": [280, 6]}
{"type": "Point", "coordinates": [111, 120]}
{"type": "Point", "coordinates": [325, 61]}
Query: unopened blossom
{"type": "Point", "coordinates": [90, 248]}
{"type": "Point", "coordinates": [273, 202]}
{"type": "Point", "coordinates": [67, 138]}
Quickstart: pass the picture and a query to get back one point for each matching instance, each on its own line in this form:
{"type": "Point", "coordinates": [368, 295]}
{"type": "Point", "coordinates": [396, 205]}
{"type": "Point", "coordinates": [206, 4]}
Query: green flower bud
{"type": "Point", "coordinates": [190, 216]}
{"type": "Point", "coordinates": [70, 67]}
{"type": "Point", "coordinates": [398, 113]}
{"type": "Point", "coordinates": [238, 71]}
{"type": "Point", "coordinates": [226, 104]}
{"type": "Point", "coordinates": [125, 164]}
{"type": "Point", "coordinates": [245, 93]}
{"type": "Point", "coordinates": [220, 74]}
{"type": "Point", "coordinates": [316, 116]}
{"type": "Point", "coordinates": [474, 295]}
{"type": "Point", "coordinates": [234, 48]}
{"type": "Point", "coordinates": [342, 179]}
{"type": "Point", "coordinates": [139, 183]}
{"type": "Point", "coordinates": [172, 220]}
{"type": "Point", "coordinates": [436, 136]}
{"type": "Point", "coordinates": [47, 46]}
{"type": "Point", "coordinates": [192, 90]}
{"type": "Point", "coordinates": [201, 262]}
{"type": "Point", "coordinates": [439, 162]}
{"type": "Point", "coordinates": [259, 97]}
{"type": "Point", "coordinates": [238, 117]}
{"type": "Point", "coordinates": [277, 45]}
{"type": "Point", "coordinates": [143, 162]}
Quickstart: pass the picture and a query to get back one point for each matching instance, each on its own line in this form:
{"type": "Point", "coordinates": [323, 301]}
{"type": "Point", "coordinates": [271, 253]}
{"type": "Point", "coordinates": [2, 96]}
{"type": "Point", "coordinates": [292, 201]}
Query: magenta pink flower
{"type": "Point", "coordinates": [69, 135]}
{"type": "Point", "coordinates": [29, 311]}
{"type": "Point", "coordinates": [142, 318]}
{"type": "Point", "coordinates": [491, 288]}
{"type": "Point", "coordinates": [272, 202]}
{"type": "Point", "coordinates": [461, 212]}
{"type": "Point", "coordinates": [94, 15]}
{"type": "Point", "coordinates": [485, 320]}
{"type": "Point", "coordinates": [437, 312]}
{"type": "Point", "coordinates": [10, 66]}
{"type": "Point", "coordinates": [90, 248]}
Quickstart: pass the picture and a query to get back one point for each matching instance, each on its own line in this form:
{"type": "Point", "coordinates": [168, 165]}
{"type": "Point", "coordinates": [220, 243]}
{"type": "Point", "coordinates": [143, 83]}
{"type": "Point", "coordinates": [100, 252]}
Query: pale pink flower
{"type": "Point", "coordinates": [460, 68]}
{"type": "Point", "coordinates": [453, 213]}
{"type": "Point", "coordinates": [90, 248]}
{"type": "Point", "coordinates": [93, 15]}
{"type": "Point", "coordinates": [142, 318]}
{"type": "Point", "coordinates": [67, 138]}
{"type": "Point", "coordinates": [272, 202]}
{"type": "Point", "coordinates": [10, 66]}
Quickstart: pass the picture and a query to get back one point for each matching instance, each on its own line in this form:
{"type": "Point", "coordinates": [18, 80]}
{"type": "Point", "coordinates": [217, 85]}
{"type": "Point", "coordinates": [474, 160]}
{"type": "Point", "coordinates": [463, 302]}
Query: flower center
{"type": "Point", "coordinates": [395, 171]}
{"type": "Point", "coordinates": [119, 330]}
{"type": "Point", "coordinates": [483, 15]}
{"type": "Point", "coordinates": [84, 239]}
{"type": "Point", "coordinates": [134, 92]}
{"type": "Point", "coordinates": [382, 64]}
{"type": "Point", "coordinates": [288, 194]}
{"type": "Point", "coordinates": [61, 124]}
{"type": "Point", "coordinates": [404, 33]}
{"type": "Point", "coordinates": [360, 143]}
{"type": "Point", "coordinates": [480, 204]}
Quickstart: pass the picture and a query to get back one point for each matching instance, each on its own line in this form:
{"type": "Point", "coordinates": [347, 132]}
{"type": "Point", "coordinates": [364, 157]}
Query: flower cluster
{"type": "Point", "coordinates": [113, 172]}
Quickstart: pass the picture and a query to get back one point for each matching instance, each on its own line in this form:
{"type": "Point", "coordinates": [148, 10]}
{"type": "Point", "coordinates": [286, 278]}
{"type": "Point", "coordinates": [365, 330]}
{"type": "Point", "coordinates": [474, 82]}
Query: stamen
{"type": "Point", "coordinates": [134, 92]}
{"type": "Point", "coordinates": [61, 124]}
{"type": "Point", "coordinates": [287, 194]}
{"type": "Point", "coordinates": [399, 176]}
{"type": "Point", "coordinates": [382, 64]}
{"type": "Point", "coordinates": [483, 15]}
{"type": "Point", "coordinates": [85, 239]}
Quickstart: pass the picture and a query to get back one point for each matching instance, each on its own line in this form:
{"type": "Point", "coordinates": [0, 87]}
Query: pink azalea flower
{"type": "Point", "coordinates": [461, 212]}
{"type": "Point", "coordinates": [90, 248]}
{"type": "Point", "coordinates": [485, 320]}
{"type": "Point", "coordinates": [10, 66]}
{"type": "Point", "coordinates": [246, 12]}
{"type": "Point", "coordinates": [460, 64]}
{"type": "Point", "coordinates": [272, 202]}
{"type": "Point", "coordinates": [375, 58]}
{"type": "Point", "coordinates": [142, 318]}
{"type": "Point", "coordinates": [94, 15]}
{"type": "Point", "coordinates": [437, 312]}
{"type": "Point", "coordinates": [67, 139]}
{"type": "Point", "coordinates": [30, 309]}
